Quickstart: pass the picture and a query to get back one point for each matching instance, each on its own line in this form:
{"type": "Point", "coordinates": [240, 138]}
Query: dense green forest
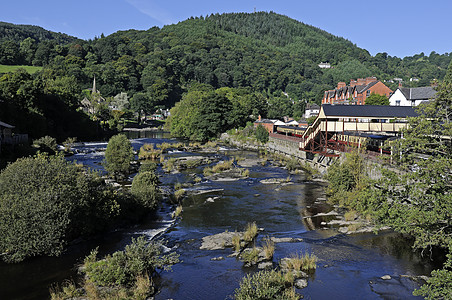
{"type": "Point", "coordinates": [266, 53]}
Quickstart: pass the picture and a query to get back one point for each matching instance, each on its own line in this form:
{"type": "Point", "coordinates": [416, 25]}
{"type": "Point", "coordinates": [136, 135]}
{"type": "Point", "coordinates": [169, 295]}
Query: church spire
{"type": "Point", "coordinates": [94, 85]}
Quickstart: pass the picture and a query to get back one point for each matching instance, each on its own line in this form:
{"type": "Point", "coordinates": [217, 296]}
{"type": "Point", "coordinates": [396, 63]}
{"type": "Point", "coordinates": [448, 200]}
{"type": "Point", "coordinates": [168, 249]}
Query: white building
{"type": "Point", "coordinates": [412, 96]}
{"type": "Point", "coordinates": [311, 110]}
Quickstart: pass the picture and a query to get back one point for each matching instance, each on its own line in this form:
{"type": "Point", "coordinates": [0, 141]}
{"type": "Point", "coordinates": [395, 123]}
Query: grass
{"type": "Point", "coordinates": [245, 172]}
{"type": "Point", "coordinates": [147, 151]}
{"type": "Point", "coordinates": [178, 211]}
{"type": "Point", "coordinates": [250, 232]}
{"type": "Point", "coordinates": [269, 248]}
{"type": "Point", "coordinates": [29, 69]}
{"type": "Point", "coordinates": [300, 262]}
{"type": "Point", "coordinates": [350, 215]}
{"type": "Point", "coordinates": [169, 164]}
{"type": "Point", "coordinates": [236, 242]}
{"type": "Point", "coordinates": [252, 256]}
{"type": "Point", "coordinates": [179, 194]}
{"type": "Point", "coordinates": [198, 179]}
{"type": "Point", "coordinates": [219, 167]}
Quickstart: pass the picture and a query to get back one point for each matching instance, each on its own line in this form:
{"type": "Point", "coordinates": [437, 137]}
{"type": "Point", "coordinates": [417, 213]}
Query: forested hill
{"type": "Point", "coordinates": [264, 52]}
{"type": "Point", "coordinates": [16, 33]}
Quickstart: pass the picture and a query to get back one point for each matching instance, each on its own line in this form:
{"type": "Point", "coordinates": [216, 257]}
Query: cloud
{"type": "Point", "coordinates": [153, 10]}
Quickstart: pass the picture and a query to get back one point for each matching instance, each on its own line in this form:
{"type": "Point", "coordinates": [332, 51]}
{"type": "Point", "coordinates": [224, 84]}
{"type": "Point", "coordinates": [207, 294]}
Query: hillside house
{"type": "Point", "coordinates": [412, 96]}
{"type": "Point", "coordinates": [357, 92]}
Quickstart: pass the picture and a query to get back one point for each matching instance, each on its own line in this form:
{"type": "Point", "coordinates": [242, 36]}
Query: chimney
{"type": "Point", "coordinates": [341, 85]}
{"type": "Point", "coordinates": [260, 118]}
{"type": "Point", "coordinates": [370, 79]}
{"type": "Point", "coordinates": [361, 81]}
{"type": "Point", "coordinates": [400, 83]}
{"type": "Point", "coordinates": [352, 83]}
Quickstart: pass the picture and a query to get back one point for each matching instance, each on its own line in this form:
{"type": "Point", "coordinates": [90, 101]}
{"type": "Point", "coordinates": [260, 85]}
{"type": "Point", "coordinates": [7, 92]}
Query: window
{"type": "Point", "coordinates": [397, 103]}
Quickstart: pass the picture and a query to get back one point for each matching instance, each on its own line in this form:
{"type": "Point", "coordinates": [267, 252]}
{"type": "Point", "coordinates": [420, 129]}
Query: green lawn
{"type": "Point", "coordinates": [29, 69]}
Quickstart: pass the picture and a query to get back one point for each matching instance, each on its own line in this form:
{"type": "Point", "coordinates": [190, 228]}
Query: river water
{"type": "Point", "coordinates": [349, 267]}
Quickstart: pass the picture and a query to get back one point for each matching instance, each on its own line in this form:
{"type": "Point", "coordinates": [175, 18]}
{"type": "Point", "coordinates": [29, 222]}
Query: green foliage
{"type": "Point", "coordinates": [299, 262]}
{"type": "Point", "coordinates": [261, 134]}
{"type": "Point", "coordinates": [148, 167]}
{"type": "Point", "coordinates": [140, 259]}
{"type": "Point", "coordinates": [266, 285]}
{"type": "Point", "coordinates": [376, 99]}
{"type": "Point", "coordinates": [250, 232]}
{"type": "Point", "coordinates": [46, 144]}
{"type": "Point", "coordinates": [145, 189]}
{"type": "Point", "coordinates": [118, 156]}
{"type": "Point", "coordinates": [250, 256]}
{"type": "Point", "coordinates": [46, 202]}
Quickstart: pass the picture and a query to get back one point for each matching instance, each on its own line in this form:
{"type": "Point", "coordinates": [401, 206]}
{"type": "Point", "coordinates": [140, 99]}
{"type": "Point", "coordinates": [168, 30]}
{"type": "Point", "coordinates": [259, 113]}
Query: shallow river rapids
{"type": "Point", "coordinates": [349, 266]}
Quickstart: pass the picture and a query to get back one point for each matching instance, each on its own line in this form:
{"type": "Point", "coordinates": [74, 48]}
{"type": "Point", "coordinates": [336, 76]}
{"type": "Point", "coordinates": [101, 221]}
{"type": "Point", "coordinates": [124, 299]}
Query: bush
{"type": "Point", "coordinates": [266, 285]}
{"type": "Point", "coordinates": [118, 156]}
{"type": "Point", "coordinates": [145, 189]}
{"type": "Point", "coordinates": [45, 202]}
{"type": "Point", "coordinates": [46, 144]}
{"type": "Point", "coordinates": [148, 167]}
{"type": "Point", "coordinates": [261, 134]}
{"type": "Point", "coordinates": [122, 267]}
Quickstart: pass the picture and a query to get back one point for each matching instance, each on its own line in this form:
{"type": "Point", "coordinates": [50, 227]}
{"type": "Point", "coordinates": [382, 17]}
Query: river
{"type": "Point", "coordinates": [349, 266]}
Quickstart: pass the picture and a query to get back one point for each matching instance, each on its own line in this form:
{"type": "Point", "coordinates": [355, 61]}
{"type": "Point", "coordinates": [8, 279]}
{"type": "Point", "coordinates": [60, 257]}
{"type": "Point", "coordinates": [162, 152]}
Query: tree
{"type": "Point", "coordinates": [376, 99]}
{"type": "Point", "coordinates": [145, 189]}
{"type": "Point", "coordinates": [118, 155]}
{"type": "Point", "coordinates": [141, 103]}
{"type": "Point", "coordinates": [45, 202]}
{"type": "Point", "coordinates": [261, 134]}
{"type": "Point", "coordinates": [419, 201]}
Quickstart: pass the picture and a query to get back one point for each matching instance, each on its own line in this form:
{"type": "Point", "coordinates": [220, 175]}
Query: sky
{"type": "Point", "coordinates": [399, 27]}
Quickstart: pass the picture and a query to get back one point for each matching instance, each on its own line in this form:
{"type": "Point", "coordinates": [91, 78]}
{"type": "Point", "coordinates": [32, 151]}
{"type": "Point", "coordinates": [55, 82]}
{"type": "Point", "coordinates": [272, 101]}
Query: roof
{"type": "Point", "coordinates": [419, 93]}
{"type": "Point", "coordinates": [373, 111]}
{"type": "Point", "coordinates": [2, 124]}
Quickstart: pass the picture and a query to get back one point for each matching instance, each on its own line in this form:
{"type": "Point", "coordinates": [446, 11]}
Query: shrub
{"type": "Point", "coordinates": [122, 267]}
{"type": "Point", "coordinates": [46, 144]}
{"type": "Point", "coordinates": [261, 134]}
{"type": "Point", "coordinates": [118, 156]}
{"type": "Point", "coordinates": [130, 268]}
{"type": "Point", "coordinates": [251, 256]}
{"type": "Point", "coordinates": [265, 285]}
{"type": "Point", "coordinates": [148, 166]}
{"type": "Point", "coordinates": [145, 189]}
{"type": "Point", "coordinates": [46, 201]}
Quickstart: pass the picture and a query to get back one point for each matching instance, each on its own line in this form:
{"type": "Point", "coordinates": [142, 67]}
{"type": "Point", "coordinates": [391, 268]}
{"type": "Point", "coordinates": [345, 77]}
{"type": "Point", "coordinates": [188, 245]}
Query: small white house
{"type": "Point", "coordinates": [311, 110]}
{"type": "Point", "coordinates": [411, 96]}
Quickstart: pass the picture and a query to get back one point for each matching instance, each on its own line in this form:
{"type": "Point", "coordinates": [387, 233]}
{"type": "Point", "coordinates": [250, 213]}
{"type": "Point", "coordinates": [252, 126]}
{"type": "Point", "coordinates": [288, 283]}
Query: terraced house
{"type": "Point", "coordinates": [357, 92]}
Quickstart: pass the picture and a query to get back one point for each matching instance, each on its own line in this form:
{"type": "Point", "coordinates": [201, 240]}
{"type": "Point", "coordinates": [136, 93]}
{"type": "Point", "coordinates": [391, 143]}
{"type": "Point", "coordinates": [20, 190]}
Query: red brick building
{"type": "Point", "coordinates": [269, 125]}
{"type": "Point", "coordinates": [357, 92]}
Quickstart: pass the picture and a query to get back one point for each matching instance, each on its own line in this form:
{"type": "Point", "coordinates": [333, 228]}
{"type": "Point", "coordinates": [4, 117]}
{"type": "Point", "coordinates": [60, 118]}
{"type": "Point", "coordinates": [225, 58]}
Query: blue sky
{"type": "Point", "coordinates": [399, 27]}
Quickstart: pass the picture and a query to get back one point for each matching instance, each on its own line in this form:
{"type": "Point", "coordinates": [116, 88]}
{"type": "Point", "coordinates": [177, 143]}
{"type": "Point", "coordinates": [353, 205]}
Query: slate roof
{"type": "Point", "coordinates": [372, 111]}
{"type": "Point", "coordinates": [3, 124]}
{"type": "Point", "coordinates": [419, 93]}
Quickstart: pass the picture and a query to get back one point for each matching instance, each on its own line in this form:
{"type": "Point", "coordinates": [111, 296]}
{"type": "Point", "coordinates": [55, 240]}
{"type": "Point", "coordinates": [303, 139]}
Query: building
{"type": "Point", "coordinates": [324, 136]}
{"type": "Point", "coordinates": [312, 109]}
{"type": "Point", "coordinates": [324, 65]}
{"type": "Point", "coordinates": [357, 92]}
{"type": "Point", "coordinates": [412, 96]}
{"type": "Point", "coordinates": [269, 125]}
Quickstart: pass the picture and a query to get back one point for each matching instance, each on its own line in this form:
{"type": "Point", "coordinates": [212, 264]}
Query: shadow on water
{"type": "Point", "coordinates": [349, 267]}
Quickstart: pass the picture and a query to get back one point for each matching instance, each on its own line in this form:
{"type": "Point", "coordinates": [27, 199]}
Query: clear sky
{"type": "Point", "coordinates": [399, 27]}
